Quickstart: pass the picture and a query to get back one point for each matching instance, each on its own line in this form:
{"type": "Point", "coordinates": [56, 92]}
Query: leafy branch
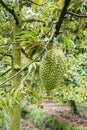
{"type": "Point", "coordinates": [13, 76]}
{"type": "Point", "coordinates": [28, 64]}
{"type": "Point", "coordinates": [10, 10]}
{"type": "Point", "coordinates": [56, 31]}
{"type": "Point", "coordinates": [58, 23]}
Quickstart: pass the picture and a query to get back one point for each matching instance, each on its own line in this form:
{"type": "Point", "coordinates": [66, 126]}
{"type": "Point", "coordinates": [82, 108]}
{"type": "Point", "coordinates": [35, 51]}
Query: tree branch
{"type": "Point", "coordinates": [77, 15]}
{"type": "Point", "coordinates": [3, 46]}
{"type": "Point", "coordinates": [23, 51]}
{"type": "Point", "coordinates": [10, 10]}
{"type": "Point", "coordinates": [50, 29]}
{"type": "Point", "coordinates": [33, 20]}
{"type": "Point", "coordinates": [20, 70]}
{"type": "Point", "coordinates": [5, 54]}
{"type": "Point", "coordinates": [60, 20]}
{"type": "Point", "coordinates": [30, 1]}
{"type": "Point", "coordinates": [28, 64]}
{"type": "Point", "coordinates": [5, 72]}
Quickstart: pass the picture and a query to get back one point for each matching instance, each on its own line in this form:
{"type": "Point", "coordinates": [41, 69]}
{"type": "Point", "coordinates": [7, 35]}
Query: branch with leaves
{"type": "Point", "coordinates": [50, 29]}
{"type": "Point", "coordinates": [28, 64]}
{"type": "Point", "coordinates": [58, 23]}
{"type": "Point", "coordinates": [10, 10]}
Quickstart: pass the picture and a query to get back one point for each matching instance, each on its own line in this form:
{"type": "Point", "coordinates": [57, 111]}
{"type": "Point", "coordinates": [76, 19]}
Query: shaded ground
{"type": "Point", "coordinates": [58, 112]}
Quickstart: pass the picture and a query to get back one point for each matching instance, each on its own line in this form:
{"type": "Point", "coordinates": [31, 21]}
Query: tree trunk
{"type": "Point", "coordinates": [48, 93]}
{"type": "Point", "coordinates": [16, 107]}
{"type": "Point", "coordinates": [73, 108]}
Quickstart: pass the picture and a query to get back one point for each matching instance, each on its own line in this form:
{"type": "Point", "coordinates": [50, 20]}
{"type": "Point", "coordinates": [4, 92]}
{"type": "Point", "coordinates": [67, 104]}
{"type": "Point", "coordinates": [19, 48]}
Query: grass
{"type": "Point", "coordinates": [82, 104]}
{"type": "Point", "coordinates": [42, 121]}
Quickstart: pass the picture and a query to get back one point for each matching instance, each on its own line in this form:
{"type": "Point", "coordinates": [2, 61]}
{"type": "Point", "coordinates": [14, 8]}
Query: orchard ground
{"type": "Point", "coordinates": [57, 112]}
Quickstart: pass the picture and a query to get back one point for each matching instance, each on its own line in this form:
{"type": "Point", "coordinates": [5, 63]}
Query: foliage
{"type": "Point", "coordinates": [74, 85]}
{"type": "Point", "coordinates": [38, 19]}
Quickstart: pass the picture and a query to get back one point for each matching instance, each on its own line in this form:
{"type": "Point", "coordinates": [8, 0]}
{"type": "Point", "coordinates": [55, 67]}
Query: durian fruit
{"type": "Point", "coordinates": [52, 68]}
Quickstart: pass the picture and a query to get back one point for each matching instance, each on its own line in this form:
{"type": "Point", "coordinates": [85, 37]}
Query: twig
{"type": "Point", "coordinates": [10, 10]}
{"type": "Point", "coordinates": [77, 15]}
{"type": "Point", "coordinates": [51, 37]}
{"type": "Point", "coordinates": [33, 20]}
{"type": "Point", "coordinates": [5, 54]}
{"type": "Point", "coordinates": [3, 46]}
{"type": "Point", "coordinates": [5, 72]}
{"type": "Point", "coordinates": [47, 31]}
{"type": "Point", "coordinates": [23, 51]}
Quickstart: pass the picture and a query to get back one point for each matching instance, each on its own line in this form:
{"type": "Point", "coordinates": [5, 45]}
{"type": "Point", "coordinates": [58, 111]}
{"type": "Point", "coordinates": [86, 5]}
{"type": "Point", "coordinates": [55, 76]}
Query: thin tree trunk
{"type": "Point", "coordinates": [73, 108]}
{"type": "Point", "coordinates": [16, 107]}
{"type": "Point", "coordinates": [48, 92]}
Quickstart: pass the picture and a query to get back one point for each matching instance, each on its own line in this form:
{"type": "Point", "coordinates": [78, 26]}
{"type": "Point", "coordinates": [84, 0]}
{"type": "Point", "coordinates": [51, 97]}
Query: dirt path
{"type": "Point", "coordinates": [61, 113]}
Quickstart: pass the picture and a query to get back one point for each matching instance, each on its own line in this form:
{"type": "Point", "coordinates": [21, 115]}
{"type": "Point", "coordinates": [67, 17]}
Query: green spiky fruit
{"type": "Point", "coordinates": [52, 68]}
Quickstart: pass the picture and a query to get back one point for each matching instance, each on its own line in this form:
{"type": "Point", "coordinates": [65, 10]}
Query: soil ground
{"type": "Point", "coordinates": [61, 113]}
{"type": "Point", "coordinates": [58, 112]}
